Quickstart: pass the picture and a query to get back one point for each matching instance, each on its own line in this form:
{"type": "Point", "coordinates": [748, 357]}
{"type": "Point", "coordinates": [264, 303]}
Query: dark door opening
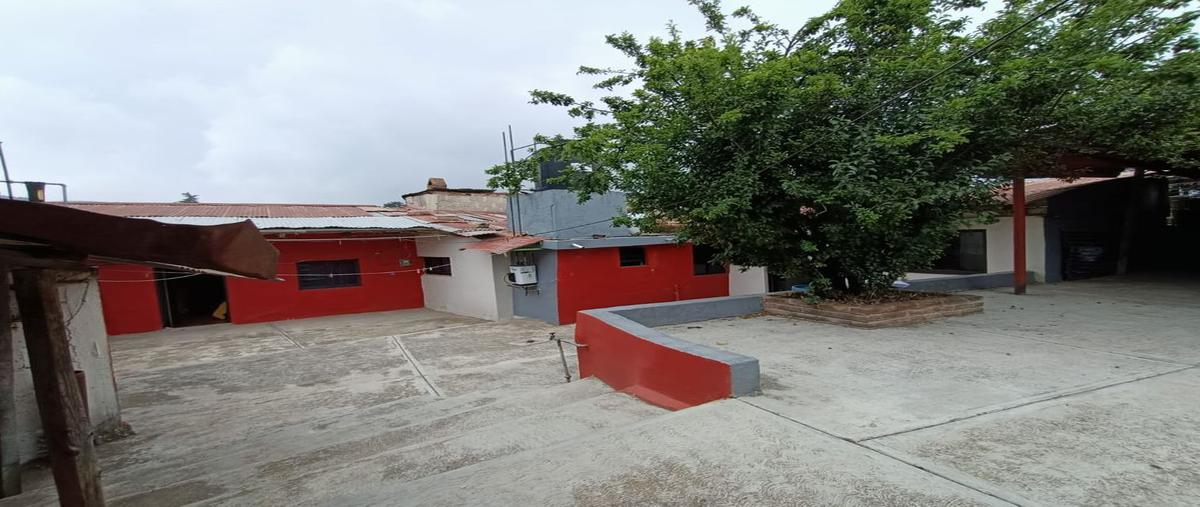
{"type": "Point", "coordinates": [1088, 254]}
{"type": "Point", "coordinates": [190, 299]}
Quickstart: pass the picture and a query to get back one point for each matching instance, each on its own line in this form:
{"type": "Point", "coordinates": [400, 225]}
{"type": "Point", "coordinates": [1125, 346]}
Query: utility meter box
{"type": "Point", "coordinates": [523, 275]}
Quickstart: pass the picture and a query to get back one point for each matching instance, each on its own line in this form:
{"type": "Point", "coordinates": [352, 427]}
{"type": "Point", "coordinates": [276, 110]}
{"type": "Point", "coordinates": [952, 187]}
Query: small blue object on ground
{"type": "Point", "coordinates": [800, 287]}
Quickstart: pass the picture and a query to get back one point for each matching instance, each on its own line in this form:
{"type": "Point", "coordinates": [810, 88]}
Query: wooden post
{"type": "Point", "coordinates": [10, 458]}
{"type": "Point", "coordinates": [1018, 216]}
{"type": "Point", "coordinates": [72, 452]}
{"type": "Point", "coordinates": [1130, 223]}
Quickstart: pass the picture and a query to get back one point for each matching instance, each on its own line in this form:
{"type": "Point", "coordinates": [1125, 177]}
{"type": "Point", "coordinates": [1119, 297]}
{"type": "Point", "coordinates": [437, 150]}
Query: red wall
{"type": "Point", "coordinates": [664, 376]}
{"type": "Point", "coordinates": [264, 301]}
{"type": "Point", "coordinates": [129, 306]}
{"type": "Point", "coordinates": [593, 278]}
{"type": "Point", "coordinates": [132, 307]}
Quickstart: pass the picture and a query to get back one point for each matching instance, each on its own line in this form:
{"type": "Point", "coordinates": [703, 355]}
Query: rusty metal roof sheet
{"type": "Point", "coordinates": [1037, 189]}
{"type": "Point", "coordinates": [505, 244]}
{"type": "Point", "coordinates": [308, 216]}
{"type": "Point", "coordinates": [273, 223]}
{"type": "Point", "coordinates": [178, 209]}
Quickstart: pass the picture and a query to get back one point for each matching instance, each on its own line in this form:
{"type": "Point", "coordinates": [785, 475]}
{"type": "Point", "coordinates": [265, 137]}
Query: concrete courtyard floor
{"type": "Point", "coordinates": [1081, 393]}
{"type": "Point", "coordinates": [1084, 393]}
{"type": "Point", "coordinates": [221, 410]}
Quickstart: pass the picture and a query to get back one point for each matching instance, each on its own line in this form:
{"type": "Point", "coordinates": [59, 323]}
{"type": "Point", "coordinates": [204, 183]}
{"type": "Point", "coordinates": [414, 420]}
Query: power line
{"type": "Point", "coordinates": [295, 275]}
{"type": "Point", "coordinates": [573, 227]}
{"type": "Point", "coordinates": [151, 279]}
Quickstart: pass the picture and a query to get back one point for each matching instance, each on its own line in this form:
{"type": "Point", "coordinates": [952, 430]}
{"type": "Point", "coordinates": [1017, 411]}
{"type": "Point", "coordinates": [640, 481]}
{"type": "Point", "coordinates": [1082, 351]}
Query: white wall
{"type": "Point", "coordinates": [89, 351]}
{"type": "Point", "coordinates": [752, 281]}
{"type": "Point", "coordinates": [1000, 246]}
{"type": "Point", "coordinates": [474, 288]}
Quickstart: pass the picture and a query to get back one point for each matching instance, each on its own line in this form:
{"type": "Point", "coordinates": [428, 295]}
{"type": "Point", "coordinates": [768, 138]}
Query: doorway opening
{"type": "Point", "coordinates": [191, 299]}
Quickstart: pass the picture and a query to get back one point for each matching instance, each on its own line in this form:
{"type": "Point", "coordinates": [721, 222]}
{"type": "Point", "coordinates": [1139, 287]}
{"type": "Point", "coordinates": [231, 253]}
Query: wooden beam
{"type": "Point", "coordinates": [64, 421]}
{"type": "Point", "coordinates": [1018, 215]}
{"type": "Point", "coordinates": [10, 458]}
{"type": "Point", "coordinates": [67, 262]}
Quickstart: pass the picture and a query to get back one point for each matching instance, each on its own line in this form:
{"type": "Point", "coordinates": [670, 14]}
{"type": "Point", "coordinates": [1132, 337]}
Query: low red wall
{"type": "Point", "coordinates": [265, 301]}
{"type": "Point", "coordinates": [129, 299]}
{"type": "Point", "coordinates": [593, 278]}
{"type": "Point", "coordinates": [661, 375]}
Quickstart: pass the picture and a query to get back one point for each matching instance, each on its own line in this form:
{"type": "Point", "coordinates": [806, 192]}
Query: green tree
{"type": "Point", "coordinates": [849, 150]}
{"type": "Point", "coordinates": [393, 204]}
{"type": "Point", "coordinates": [189, 197]}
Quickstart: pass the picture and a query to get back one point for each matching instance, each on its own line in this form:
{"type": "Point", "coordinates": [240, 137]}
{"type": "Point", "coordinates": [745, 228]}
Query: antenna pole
{"type": "Point", "coordinates": [512, 223]}
{"type": "Point", "coordinates": [512, 148]}
{"type": "Point", "coordinates": [7, 180]}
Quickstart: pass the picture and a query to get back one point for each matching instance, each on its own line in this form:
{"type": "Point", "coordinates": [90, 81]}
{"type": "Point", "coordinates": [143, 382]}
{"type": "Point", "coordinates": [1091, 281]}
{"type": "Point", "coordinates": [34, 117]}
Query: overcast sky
{"type": "Point", "coordinates": [317, 101]}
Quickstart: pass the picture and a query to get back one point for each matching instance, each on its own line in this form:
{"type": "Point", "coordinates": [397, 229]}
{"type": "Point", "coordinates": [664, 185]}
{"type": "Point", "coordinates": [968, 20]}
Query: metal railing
{"type": "Point", "coordinates": [563, 355]}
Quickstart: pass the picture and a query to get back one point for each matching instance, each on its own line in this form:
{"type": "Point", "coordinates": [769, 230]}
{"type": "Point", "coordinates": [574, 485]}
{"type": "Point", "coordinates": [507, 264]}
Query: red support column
{"type": "Point", "coordinates": [1018, 216]}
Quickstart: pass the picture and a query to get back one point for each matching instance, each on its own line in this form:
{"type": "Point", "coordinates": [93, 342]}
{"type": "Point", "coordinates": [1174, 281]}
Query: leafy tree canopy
{"type": "Point", "coordinates": [848, 150]}
{"type": "Point", "coordinates": [393, 204]}
{"type": "Point", "coordinates": [189, 197]}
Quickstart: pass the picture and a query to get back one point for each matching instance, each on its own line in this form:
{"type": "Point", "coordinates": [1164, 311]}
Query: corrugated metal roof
{"type": "Point", "coordinates": [1037, 189]}
{"type": "Point", "coordinates": [267, 223]}
{"type": "Point", "coordinates": [307, 216]}
{"type": "Point", "coordinates": [505, 244]}
{"type": "Point", "coordinates": [177, 209]}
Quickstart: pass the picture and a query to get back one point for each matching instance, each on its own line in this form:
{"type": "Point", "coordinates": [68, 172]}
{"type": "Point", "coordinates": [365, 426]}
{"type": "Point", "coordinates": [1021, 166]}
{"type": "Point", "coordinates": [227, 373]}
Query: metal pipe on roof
{"type": "Point", "coordinates": [5, 166]}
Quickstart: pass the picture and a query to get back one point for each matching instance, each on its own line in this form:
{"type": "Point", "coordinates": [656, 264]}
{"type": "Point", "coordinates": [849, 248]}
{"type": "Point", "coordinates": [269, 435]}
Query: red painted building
{"type": "Point", "coordinates": [389, 280]}
{"type": "Point", "coordinates": [584, 274]}
{"type": "Point", "coordinates": [596, 278]}
{"type": "Point", "coordinates": [582, 260]}
{"type": "Point", "coordinates": [333, 260]}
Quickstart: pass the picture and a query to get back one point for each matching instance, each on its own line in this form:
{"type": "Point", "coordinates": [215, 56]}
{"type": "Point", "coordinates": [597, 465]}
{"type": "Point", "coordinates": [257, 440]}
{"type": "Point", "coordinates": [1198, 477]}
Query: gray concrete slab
{"type": "Point", "coordinates": [1133, 444]}
{"type": "Point", "coordinates": [218, 398]}
{"type": "Point", "coordinates": [1141, 316]}
{"type": "Point", "coordinates": [863, 383]}
{"type": "Point", "coordinates": [343, 328]}
{"type": "Point", "coordinates": [168, 348]}
{"type": "Point", "coordinates": [722, 453]}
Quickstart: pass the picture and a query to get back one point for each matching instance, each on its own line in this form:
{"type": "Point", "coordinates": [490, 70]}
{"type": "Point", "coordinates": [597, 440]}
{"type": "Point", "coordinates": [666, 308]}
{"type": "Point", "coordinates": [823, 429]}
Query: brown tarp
{"type": "Point", "coordinates": [237, 248]}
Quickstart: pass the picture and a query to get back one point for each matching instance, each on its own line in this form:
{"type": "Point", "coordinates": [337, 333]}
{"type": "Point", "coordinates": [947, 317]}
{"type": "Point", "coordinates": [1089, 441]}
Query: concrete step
{"type": "Point", "coordinates": [335, 441]}
{"type": "Point", "coordinates": [322, 486]}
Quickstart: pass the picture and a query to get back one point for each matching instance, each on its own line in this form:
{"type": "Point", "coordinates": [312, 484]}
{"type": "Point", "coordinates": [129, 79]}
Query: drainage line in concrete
{"type": "Point", "coordinates": [889, 456]}
{"type": "Point", "coordinates": [1006, 408]}
{"type": "Point", "coordinates": [286, 335]}
{"type": "Point", "coordinates": [416, 367]}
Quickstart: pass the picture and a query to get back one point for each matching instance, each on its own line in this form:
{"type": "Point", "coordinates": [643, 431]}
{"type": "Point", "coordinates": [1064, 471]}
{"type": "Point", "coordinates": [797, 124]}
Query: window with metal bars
{"type": "Point", "coordinates": [632, 256]}
{"type": "Point", "coordinates": [328, 274]}
{"type": "Point", "coordinates": [437, 265]}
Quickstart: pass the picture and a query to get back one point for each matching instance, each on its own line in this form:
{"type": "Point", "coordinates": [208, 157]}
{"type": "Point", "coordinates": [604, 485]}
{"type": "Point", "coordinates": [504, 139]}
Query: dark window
{"type": "Point", "coordinates": [702, 261]}
{"type": "Point", "coordinates": [966, 254]}
{"type": "Point", "coordinates": [437, 265]}
{"type": "Point", "coordinates": [328, 274]}
{"type": "Point", "coordinates": [633, 256]}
